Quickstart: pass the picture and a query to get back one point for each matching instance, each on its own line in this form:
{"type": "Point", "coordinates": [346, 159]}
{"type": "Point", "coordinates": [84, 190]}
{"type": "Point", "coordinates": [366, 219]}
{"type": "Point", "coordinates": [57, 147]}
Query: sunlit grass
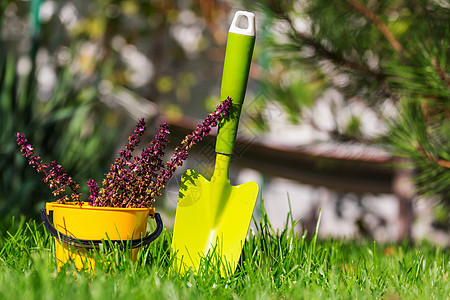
{"type": "Point", "coordinates": [273, 265]}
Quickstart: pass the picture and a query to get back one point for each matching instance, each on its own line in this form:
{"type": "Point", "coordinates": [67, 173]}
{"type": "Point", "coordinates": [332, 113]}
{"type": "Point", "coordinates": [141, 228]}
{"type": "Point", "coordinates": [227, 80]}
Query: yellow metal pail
{"type": "Point", "coordinates": [78, 229]}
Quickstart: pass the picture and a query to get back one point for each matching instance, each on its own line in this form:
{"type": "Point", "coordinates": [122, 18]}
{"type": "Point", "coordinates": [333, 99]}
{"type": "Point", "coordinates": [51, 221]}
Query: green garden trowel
{"type": "Point", "coordinates": [212, 216]}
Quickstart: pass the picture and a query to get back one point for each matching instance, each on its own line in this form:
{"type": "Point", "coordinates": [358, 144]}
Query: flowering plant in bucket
{"type": "Point", "coordinates": [132, 181]}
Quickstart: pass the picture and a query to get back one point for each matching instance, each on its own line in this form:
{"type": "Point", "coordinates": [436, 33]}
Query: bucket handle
{"type": "Point", "coordinates": [90, 244]}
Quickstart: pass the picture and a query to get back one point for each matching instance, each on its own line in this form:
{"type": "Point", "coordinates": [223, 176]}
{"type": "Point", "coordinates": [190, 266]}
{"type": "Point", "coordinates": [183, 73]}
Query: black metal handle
{"type": "Point", "coordinates": [89, 244]}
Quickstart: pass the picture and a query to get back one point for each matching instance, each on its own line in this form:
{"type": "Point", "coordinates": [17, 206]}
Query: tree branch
{"type": "Point", "coordinates": [439, 161]}
{"type": "Point", "coordinates": [440, 72]}
{"type": "Point", "coordinates": [335, 57]}
{"type": "Point", "coordinates": [381, 26]}
{"type": "Point", "coordinates": [320, 49]}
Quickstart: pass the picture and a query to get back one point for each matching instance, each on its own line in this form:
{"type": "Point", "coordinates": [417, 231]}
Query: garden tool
{"type": "Point", "coordinates": [212, 216]}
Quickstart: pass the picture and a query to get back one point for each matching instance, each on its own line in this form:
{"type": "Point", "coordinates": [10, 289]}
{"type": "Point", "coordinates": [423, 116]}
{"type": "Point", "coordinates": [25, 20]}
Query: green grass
{"type": "Point", "coordinates": [273, 265]}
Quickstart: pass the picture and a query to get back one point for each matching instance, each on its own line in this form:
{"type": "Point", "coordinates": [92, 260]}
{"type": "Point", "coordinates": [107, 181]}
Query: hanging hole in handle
{"type": "Point", "coordinates": [242, 22]}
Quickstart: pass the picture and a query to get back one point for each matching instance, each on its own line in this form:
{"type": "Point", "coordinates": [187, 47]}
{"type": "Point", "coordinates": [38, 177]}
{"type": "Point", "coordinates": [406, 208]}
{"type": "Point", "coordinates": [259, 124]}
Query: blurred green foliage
{"type": "Point", "coordinates": [171, 52]}
{"type": "Point", "coordinates": [337, 46]}
{"type": "Point", "coordinates": [60, 127]}
{"type": "Point", "coordinates": [389, 56]}
{"type": "Point", "coordinates": [73, 72]}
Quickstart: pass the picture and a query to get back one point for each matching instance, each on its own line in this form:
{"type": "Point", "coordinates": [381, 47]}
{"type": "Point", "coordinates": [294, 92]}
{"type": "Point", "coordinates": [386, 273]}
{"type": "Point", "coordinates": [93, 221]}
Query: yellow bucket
{"type": "Point", "coordinates": [78, 229]}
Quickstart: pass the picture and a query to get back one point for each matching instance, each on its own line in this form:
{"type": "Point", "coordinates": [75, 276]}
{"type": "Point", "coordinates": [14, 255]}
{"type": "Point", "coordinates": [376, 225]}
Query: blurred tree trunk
{"type": "Point", "coordinates": [403, 186]}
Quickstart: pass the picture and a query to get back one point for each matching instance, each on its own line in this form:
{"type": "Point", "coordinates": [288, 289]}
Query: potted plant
{"type": "Point", "coordinates": [118, 209]}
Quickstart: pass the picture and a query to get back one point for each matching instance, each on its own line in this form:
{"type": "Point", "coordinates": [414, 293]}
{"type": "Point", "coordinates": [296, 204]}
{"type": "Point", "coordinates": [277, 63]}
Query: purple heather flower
{"type": "Point", "coordinates": [54, 175]}
{"type": "Point", "coordinates": [132, 181]}
{"type": "Point", "coordinates": [93, 191]}
{"type": "Point", "coordinates": [181, 152]}
{"type": "Point", "coordinates": [126, 183]}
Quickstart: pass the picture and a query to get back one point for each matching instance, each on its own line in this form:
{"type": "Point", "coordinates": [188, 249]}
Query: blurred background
{"type": "Point", "coordinates": [347, 108]}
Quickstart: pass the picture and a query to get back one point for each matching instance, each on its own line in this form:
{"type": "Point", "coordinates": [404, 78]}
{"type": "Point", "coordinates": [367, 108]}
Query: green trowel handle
{"type": "Point", "coordinates": [236, 68]}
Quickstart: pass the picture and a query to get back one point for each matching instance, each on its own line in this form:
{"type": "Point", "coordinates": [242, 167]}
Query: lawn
{"type": "Point", "coordinates": [273, 265]}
